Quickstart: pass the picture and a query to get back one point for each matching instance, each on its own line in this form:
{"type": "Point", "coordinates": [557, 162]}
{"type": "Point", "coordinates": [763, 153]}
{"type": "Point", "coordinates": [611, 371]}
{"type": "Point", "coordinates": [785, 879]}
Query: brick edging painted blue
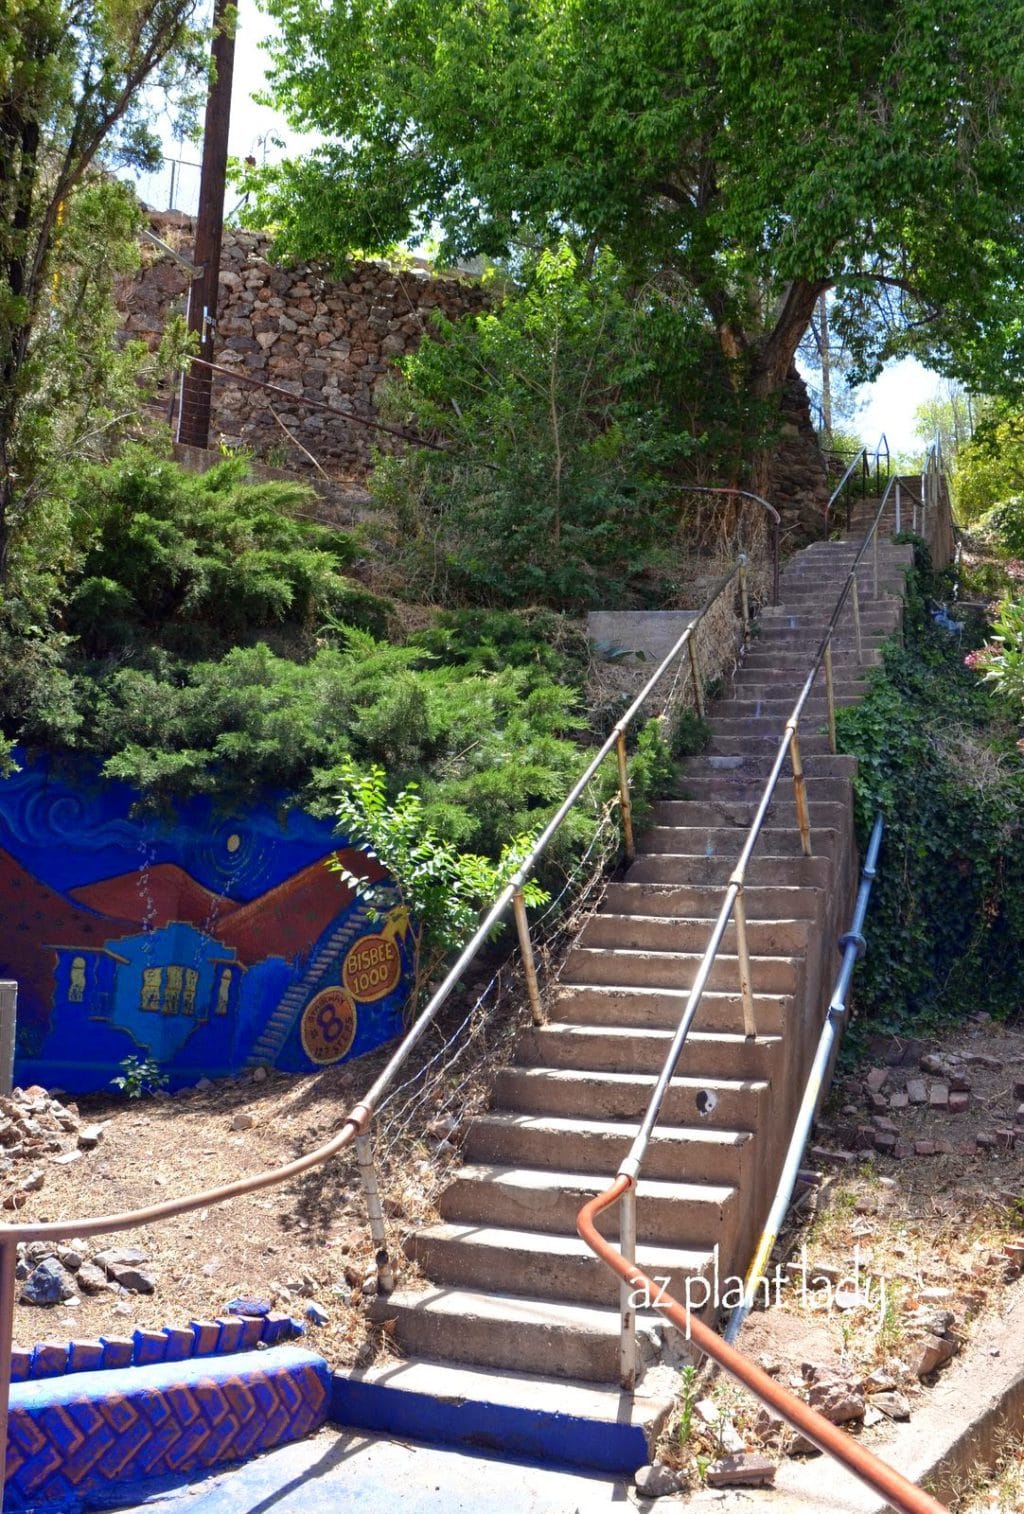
{"type": "Point", "coordinates": [569, 1440]}
{"type": "Point", "coordinates": [69, 1436]}
{"type": "Point", "coordinates": [144, 1348]}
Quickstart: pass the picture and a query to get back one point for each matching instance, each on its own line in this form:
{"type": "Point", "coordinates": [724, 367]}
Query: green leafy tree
{"type": "Point", "coordinates": [553, 485]}
{"type": "Point", "coordinates": [76, 97]}
{"type": "Point", "coordinates": [990, 466]}
{"type": "Point", "coordinates": [760, 154]}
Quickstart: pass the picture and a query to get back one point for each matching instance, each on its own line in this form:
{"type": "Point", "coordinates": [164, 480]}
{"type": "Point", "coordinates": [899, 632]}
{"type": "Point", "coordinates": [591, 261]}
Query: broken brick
{"type": "Point", "coordinates": [917, 1091]}
{"type": "Point", "coordinates": [958, 1101]}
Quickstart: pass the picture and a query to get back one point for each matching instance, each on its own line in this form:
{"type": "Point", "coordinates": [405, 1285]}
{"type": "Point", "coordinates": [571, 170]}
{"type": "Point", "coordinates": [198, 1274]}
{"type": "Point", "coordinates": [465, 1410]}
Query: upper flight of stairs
{"type": "Point", "coordinates": [509, 1287]}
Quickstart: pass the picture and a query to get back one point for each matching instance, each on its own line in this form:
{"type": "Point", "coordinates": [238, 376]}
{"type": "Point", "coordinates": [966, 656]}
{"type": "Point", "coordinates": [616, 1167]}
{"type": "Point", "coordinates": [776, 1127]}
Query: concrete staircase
{"type": "Point", "coordinates": [515, 1307]}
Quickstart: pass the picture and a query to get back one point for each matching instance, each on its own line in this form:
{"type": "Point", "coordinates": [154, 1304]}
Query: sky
{"type": "Point", "coordinates": [887, 406]}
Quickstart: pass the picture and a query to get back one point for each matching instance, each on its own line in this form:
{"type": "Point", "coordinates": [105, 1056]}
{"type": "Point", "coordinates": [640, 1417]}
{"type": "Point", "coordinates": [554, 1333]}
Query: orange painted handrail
{"type": "Point", "coordinates": [904, 1495]}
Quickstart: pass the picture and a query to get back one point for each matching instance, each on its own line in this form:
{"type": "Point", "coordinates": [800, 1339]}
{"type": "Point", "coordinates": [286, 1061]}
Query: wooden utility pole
{"type": "Point", "coordinates": [194, 416]}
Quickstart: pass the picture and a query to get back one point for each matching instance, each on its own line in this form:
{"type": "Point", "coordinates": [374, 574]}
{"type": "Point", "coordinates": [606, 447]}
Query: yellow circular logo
{"type": "Point", "coordinates": [328, 1026]}
{"type": "Point", "coordinates": [372, 968]}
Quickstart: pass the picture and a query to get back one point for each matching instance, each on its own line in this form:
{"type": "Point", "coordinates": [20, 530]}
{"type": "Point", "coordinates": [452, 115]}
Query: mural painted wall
{"type": "Point", "coordinates": [210, 942]}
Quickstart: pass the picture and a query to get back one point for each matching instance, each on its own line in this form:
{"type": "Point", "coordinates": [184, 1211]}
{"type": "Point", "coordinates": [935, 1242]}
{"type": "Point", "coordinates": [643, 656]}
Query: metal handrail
{"type": "Point", "coordinates": [355, 1127]}
{"type": "Point", "coordinates": [776, 520]}
{"type": "Point", "coordinates": [634, 1283]}
{"type": "Point", "coordinates": [853, 944]}
{"type": "Point", "coordinates": [733, 907]}
{"type": "Point", "coordinates": [860, 462]}
{"type": "Point", "coordinates": [896, 1489]}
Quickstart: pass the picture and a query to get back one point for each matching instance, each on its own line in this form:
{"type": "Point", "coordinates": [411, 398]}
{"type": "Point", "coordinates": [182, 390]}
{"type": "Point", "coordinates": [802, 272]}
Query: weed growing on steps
{"type": "Point", "coordinates": [936, 753]}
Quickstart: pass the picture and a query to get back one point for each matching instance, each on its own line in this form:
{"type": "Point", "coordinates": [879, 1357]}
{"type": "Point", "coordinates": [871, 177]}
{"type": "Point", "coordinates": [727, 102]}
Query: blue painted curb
{"type": "Point", "coordinates": [501, 1429]}
{"type": "Point", "coordinates": [69, 1436]}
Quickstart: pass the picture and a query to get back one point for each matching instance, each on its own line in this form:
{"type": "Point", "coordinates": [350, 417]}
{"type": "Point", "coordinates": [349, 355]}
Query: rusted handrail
{"type": "Point", "coordinates": [355, 1128]}
{"type": "Point", "coordinates": [775, 517]}
{"type": "Point", "coordinates": [892, 1485]}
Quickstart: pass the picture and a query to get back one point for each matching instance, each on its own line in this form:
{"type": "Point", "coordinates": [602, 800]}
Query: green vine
{"type": "Point", "coordinates": [936, 754]}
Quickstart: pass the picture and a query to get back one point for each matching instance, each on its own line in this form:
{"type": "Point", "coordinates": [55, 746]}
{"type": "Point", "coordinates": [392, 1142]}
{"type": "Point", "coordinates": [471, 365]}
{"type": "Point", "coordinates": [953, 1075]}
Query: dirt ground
{"type": "Point", "coordinates": [305, 1241]}
{"type": "Point", "coordinates": [883, 1249]}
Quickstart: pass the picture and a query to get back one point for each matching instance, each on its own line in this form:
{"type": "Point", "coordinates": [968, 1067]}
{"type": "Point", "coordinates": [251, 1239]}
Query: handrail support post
{"type": "Point", "coordinates": [529, 962]}
{"type": "Point", "coordinates": [375, 1214]}
{"type": "Point", "coordinates": [8, 1264]}
{"type": "Point", "coordinates": [698, 688]}
{"type": "Point", "coordinates": [744, 600]}
{"type": "Point", "coordinates": [855, 595]}
{"type": "Point", "coordinates": [739, 914]}
{"type": "Point", "coordinates": [803, 818]}
{"type": "Point", "coordinates": [627, 1307]}
{"type": "Point", "coordinates": [624, 796]}
{"type": "Point", "coordinates": [830, 696]}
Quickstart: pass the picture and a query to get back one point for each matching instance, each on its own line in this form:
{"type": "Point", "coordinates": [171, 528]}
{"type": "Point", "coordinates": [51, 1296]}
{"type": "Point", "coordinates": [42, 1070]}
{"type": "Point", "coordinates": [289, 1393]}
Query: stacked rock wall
{"type": "Point", "coordinates": [798, 483]}
{"type": "Point", "coordinates": [328, 339]}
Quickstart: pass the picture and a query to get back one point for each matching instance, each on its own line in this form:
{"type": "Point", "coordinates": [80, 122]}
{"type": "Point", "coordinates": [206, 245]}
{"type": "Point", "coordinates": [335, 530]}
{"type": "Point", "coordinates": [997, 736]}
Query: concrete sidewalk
{"type": "Point", "coordinates": [342, 1469]}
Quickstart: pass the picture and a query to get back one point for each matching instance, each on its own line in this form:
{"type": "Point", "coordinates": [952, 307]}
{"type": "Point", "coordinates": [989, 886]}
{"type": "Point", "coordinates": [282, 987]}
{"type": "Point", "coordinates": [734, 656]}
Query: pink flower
{"type": "Point", "coordinates": [978, 658]}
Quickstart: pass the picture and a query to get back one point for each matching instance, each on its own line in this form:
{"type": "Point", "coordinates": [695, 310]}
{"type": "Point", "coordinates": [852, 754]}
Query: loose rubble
{"type": "Point", "coordinates": [35, 1126]}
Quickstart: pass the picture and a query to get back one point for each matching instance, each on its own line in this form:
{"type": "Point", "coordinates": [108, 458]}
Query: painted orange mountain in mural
{"type": "Point", "coordinates": [157, 897]}
{"type": "Point", "coordinates": [289, 918]}
{"type": "Point", "coordinates": [28, 909]}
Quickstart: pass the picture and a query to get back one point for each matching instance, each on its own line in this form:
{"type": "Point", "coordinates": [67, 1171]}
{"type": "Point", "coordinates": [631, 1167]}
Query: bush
{"type": "Point", "coordinates": [551, 486]}
{"type": "Point", "coordinates": [198, 562]}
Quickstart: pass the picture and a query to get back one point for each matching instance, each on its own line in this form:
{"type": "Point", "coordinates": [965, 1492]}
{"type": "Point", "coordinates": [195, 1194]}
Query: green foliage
{"type": "Point", "coordinates": [139, 1076]}
{"type": "Point", "coordinates": [488, 641]}
{"type": "Point", "coordinates": [690, 734]}
{"type": "Point", "coordinates": [1001, 661]}
{"type": "Point", "coordinates": [442, 888]}
{"type": "Point", "coordinates": [990, 467]}
{"type": "Point", "coordinates": [755, 155]}
{"type": "Point", "coordinates": [197, 562]}
{"type": "Point", "coordinates": [79, 85]}
{"type": "Point", "coordinates": [551, 486]}
{"type": "Point", "coordinates": [936, 754]}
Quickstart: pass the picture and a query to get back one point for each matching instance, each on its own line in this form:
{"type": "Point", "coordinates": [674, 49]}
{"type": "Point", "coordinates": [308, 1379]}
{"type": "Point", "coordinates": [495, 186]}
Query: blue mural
{"type": "Point", "coordinates": [208, 941]}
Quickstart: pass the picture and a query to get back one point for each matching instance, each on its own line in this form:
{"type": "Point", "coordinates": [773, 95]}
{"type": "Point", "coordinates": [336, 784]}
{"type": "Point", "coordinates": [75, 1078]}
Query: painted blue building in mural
{"type": "Point", "coordinates": [206, 941]}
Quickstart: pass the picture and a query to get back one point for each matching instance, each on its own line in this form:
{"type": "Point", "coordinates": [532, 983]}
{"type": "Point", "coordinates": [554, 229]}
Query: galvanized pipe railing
{"type": "Point", "coordinates": [860, 468]}
{"type": "Point", "coordinates": [852, 944]}
{"type": "Point", "coordinates": [770, 510]}
{"type": "Point", "coordinates": [789, 746]}
{"type": "Point", "coordinates": [634, 1283]}
{"type": "Point", "coordinates": [355, 1128]}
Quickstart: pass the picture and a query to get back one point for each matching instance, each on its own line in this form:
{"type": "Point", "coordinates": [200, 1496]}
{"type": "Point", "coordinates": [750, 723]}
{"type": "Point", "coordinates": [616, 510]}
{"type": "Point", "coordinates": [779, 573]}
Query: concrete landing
{"type": "Point", "coordinates": [340, 1469]}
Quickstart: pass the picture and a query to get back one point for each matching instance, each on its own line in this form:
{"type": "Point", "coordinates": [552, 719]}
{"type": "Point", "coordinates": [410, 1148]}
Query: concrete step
{"type": "Point", "coordinates": [497, 1330]}
{"type": "Point", "coordinates": [737, 790]}
{"type": "Point", "coordinates": [735, 744]}
{"type": "Point", "coordinates": [598, 1146]}
{"type": "Point", "coordinates": [597, 1004]}
{"type": "Point", "coordinates": [689, 1215]}
{"type": "Point", "coordinates": [701, 814]}
{"type": "Point", "coordinates": [750, 765]}
{"type": "Point", "coordinates": [792, 870]}
{"type": "Point", "coordinates": [629, 1048]}
{"type": "Point", "coordinates": [720, 1103]}
{"type": "Point", "coordinates": [845, 660]}
{"type": "Point", "coordinates": [776, 839]}
{"type": "Point", "coordinates": [529, 1416]}
{"type": "Point", "coordinates": [699, 901]}
{"type": "Point", "coordinates": [635, 932]}
{"type": "Point", "coordinates": [651, 969]}
{"type": "Point", "coordinates": [776, 711]}
{"type": "Point", "coordinates": [537, 1264]}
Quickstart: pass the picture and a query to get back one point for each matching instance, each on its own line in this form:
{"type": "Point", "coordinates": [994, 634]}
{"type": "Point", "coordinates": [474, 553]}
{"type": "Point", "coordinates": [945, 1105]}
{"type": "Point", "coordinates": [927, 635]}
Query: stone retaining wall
{"type": "Point", "coordinates": [323, 338]}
